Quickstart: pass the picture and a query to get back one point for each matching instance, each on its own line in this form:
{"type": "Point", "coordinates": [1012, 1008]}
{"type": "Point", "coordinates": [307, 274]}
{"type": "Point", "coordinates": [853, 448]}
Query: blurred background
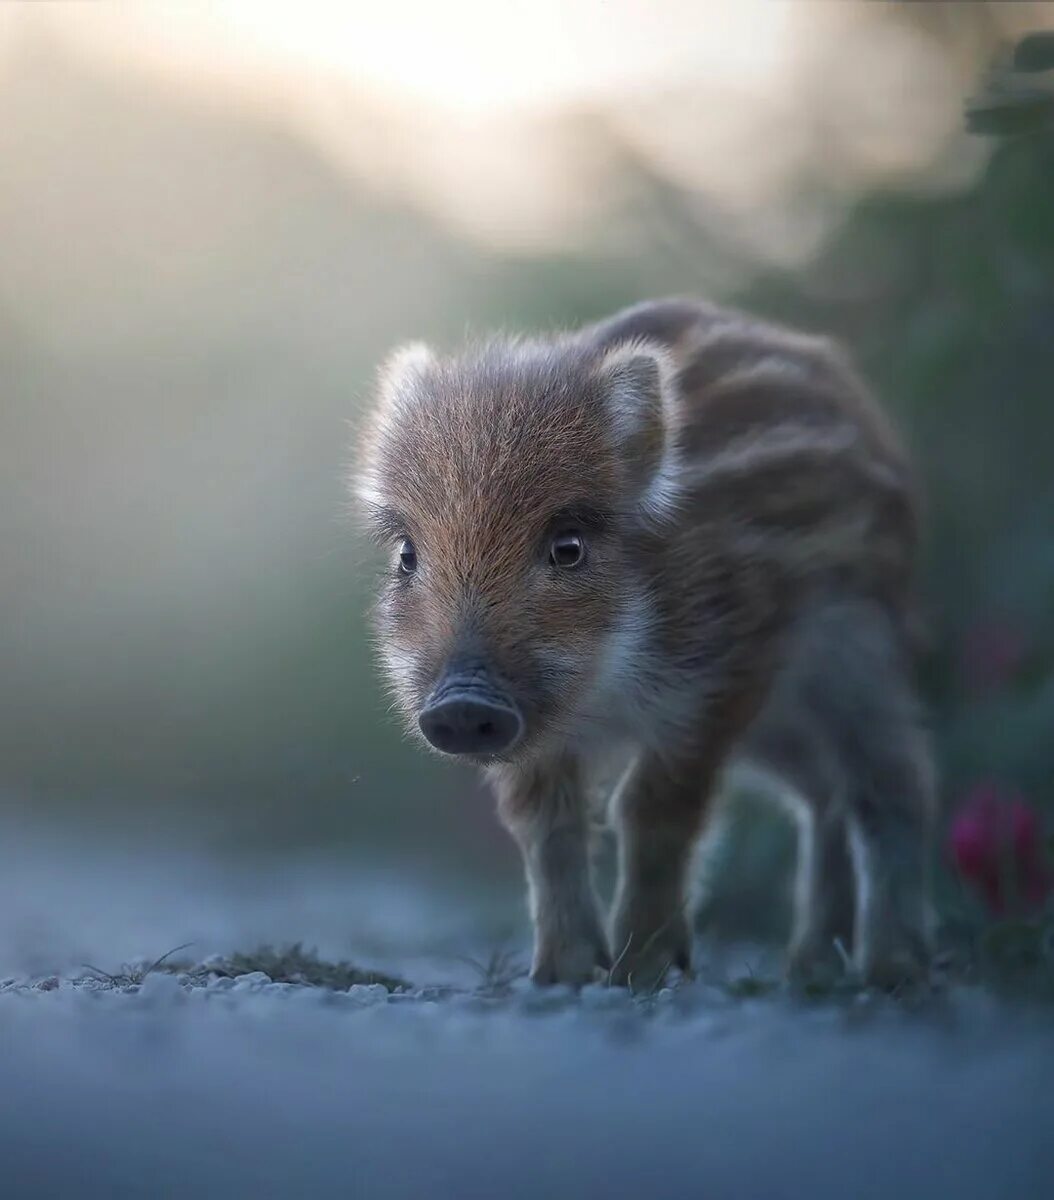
{"type": "Point", "coordinates": [216, 218]}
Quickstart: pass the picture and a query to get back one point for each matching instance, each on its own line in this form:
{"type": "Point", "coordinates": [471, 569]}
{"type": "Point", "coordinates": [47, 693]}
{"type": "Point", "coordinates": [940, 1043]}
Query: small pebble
{"type": "Point", "coordinates": [368, 993]}
{"type": "Point", "coordinates": [251, 981]}
{"type": "Point", "coordinates": [280, 989]}
{"type": "Point", "coordinates": [159, 985]}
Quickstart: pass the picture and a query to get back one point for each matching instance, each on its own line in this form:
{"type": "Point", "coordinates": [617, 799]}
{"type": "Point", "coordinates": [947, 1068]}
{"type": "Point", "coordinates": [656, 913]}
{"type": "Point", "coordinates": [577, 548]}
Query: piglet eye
{"type": "Point", "coordinates": [567, 550]}
{"type": "Point", "coordinates": [407, 557]}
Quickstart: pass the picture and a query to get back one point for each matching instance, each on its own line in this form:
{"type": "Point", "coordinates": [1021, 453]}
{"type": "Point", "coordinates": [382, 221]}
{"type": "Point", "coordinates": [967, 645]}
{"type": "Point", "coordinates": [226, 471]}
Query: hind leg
{"type": "Point", "coordinates": [799, 770]}
{"type": "Point", "coordinates": [888, 784]}
{"type": "Point", "coordinates": [823, 894]}
{"type": "Point", "coordinates": [843, 728]}
{"type": "Point", "coordinates": [890, 838]}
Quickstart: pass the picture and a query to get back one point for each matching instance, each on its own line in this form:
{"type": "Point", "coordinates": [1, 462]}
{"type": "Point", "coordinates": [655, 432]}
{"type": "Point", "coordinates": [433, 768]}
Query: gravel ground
{"type": "Point", "coordinates": [257, 1089]}
{"type": "Point", "coordinates": [197, 1084]}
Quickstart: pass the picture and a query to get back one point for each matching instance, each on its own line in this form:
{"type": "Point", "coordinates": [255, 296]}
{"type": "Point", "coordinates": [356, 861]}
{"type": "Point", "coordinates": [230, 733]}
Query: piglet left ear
{"type": "Point", "coordinates": [638, 383]}
{"type": "Point", "coordinates": [402, 372]}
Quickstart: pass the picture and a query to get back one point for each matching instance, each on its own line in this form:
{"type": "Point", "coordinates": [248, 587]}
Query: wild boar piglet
{"type": "Point", "coordinates": [687, 536]}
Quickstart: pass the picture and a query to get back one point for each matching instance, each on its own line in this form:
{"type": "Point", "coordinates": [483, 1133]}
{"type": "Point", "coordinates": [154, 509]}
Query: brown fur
{"type": "Point", "coordinates": [750, 523]}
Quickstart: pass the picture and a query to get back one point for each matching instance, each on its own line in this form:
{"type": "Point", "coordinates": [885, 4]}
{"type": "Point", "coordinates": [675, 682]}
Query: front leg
{"type": "Point", "coordinates": [658, 812]}
{"type": "Point", "coordinates": [544, 808]}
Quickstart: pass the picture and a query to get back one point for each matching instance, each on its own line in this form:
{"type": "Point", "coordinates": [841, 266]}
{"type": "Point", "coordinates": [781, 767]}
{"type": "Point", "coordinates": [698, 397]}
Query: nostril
{"type": "Point", "coordinates": [467, 724]}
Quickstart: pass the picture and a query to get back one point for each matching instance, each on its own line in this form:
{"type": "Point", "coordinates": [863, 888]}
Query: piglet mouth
{"type": "Point", "coordinates": [467, 716]}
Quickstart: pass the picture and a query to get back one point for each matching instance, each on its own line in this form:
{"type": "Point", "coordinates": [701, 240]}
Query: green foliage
{"type": "Point", "coordinates": [1018, 95]}
{"type": "Point", "coordinates": [948, 304]}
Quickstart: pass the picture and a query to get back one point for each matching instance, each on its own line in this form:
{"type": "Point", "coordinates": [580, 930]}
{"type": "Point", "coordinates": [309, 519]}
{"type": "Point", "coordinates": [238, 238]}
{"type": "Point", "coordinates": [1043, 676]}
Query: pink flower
{"type": "Point", "coordinates": [996, 842]}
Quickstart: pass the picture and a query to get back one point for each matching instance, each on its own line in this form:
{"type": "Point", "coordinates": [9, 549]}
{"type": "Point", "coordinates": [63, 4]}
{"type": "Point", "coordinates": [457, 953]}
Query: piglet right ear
{"type": "Point", "coordinates": [638, 382]}
{"type": "Point", "coordinates": [402, 371]}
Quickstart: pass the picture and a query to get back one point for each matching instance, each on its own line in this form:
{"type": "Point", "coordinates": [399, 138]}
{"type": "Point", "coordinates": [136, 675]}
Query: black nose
{"type": "Point", "coordinates": [467, 724]}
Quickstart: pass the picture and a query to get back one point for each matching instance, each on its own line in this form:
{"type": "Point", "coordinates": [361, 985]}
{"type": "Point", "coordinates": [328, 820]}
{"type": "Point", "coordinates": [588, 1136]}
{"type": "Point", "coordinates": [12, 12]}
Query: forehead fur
{"type": "Point", "coordinates": [503, 429]}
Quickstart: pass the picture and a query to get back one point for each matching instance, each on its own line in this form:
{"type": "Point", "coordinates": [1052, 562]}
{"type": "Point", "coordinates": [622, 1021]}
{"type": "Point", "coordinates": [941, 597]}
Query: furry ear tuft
{"type": "Point", "coordinates": [403, 370]}
{"type": "Point", "coordinates": [398, 378]}
{"type": "Point", "coordinates": [638, 379]}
